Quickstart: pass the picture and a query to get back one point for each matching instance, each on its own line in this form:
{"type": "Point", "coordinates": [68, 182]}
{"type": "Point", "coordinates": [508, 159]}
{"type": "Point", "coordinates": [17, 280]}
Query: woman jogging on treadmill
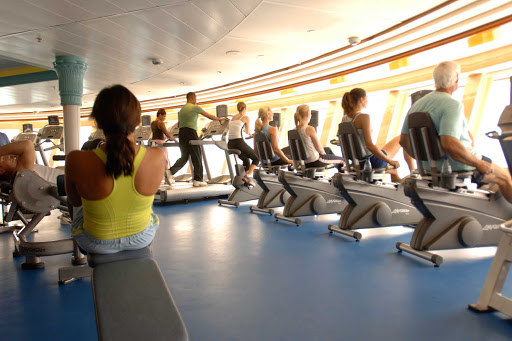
{"type": "Point", "coordinates": [238, 123]}
{"type": "Point", "coordinates": [112, 187]}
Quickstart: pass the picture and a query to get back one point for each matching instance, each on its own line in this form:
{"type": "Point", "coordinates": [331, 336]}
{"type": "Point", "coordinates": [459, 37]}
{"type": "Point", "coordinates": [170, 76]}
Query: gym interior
{"type": "Point", "coordinates": [234, 271]}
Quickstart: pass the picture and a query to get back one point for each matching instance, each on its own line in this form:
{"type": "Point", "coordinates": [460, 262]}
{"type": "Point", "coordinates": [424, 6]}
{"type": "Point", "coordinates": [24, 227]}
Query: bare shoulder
{"type": "Point", "coordinates": [364, 117]}
{"type": "Point", "coordinates": [244, 119]}
{"type": "Point", "coordinates": [310, 131]}
{"type": "Point", "coordinates": [155, 154]}
{"type": "Point", "coordinates": [77, 161]}
{"type": "Point", "coordinates": [362, 121]}
{"type": "Point", "coordinates": [77, 156]}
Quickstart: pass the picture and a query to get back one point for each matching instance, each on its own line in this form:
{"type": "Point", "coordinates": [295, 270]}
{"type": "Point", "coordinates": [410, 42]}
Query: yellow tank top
{"type": "Point", "coordinates": [124, 212]}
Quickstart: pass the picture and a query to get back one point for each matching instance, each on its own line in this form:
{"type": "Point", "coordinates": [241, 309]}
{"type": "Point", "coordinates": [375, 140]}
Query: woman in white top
{"type": "Point", "coordinates": [355, 101]}
{"type": "Point", "coordinates": [265, 115]}
{"type": "Point", "coordinates": [238, 123]}
{"type": "Point", "coordinates": [316, 155]}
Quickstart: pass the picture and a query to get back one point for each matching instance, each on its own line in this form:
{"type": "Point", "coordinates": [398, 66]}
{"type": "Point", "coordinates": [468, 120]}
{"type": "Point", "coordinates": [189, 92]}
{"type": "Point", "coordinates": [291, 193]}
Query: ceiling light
{"type": "Point", "coordinates": [311, 31]}
{"type": "Point", "coordinates": [261, 56]}
{"type": "Point", "coordinates": [353, 40]}
{"type": "Point", "coordinates": [157, 61]}
{"type": "Point", "coordinates": [219, 71]}
{"type": "Point", "coordinates": [182, 83]}
{"type": "Point", "coordinates": [233, 52]}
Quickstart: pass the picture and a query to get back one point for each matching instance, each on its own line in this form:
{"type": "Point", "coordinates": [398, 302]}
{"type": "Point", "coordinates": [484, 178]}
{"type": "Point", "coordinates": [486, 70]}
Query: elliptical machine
{"type": "Point", "coordinates": [244, 187]}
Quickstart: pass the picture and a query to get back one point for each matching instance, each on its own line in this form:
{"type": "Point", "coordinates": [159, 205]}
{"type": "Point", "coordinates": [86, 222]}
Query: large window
{"type": "Point", "coordinates": [498, 99]}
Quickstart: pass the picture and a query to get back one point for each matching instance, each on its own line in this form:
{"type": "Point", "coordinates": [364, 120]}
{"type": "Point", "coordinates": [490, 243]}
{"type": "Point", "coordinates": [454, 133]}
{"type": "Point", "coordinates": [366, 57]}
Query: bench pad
{"type": "Point", "coordinates": [132, 302]}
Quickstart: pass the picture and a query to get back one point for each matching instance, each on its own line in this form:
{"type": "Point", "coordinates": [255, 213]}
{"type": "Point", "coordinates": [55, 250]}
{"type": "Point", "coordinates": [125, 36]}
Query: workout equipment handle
{"type": "Point", "coordinates": [506, 226]}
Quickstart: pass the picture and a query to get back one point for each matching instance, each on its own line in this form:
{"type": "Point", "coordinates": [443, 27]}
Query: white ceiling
{"type": "Point", "coordinates": [118, 39]}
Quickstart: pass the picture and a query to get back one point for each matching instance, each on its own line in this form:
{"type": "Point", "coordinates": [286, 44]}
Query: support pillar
{"type": "Point", "coordinates": [71, 71]}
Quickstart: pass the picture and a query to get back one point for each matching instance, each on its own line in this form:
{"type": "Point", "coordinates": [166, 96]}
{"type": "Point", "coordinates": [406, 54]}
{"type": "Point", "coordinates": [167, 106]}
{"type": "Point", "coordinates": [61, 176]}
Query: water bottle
{"type": "Point", "coordinates": [367, 165]}
{"type": "Point", "coordinates": [367, 171]}
{"type": "Point", "coordinates": [447, 168]}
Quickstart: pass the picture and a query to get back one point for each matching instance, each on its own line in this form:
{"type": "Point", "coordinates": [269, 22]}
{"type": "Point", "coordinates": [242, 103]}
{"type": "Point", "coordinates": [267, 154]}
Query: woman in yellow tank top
{"type": "Point", "coordinates": [112, 188]}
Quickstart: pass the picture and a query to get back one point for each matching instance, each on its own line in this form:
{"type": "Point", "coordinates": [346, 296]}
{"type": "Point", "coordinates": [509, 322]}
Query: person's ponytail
{"type": "Point", "coordinates": [301, 112]}
{"type": "Point", "coordinates": [346, 104]}
{"type": "Point", "coordinates": [350, 100]}
{"type": "Point", "coordinates": [262, 114]}
{"type": "Point", "coordinates": [117, 111]}
{"type": "Point", "coordinates": [120, 153]}
{"type": "Point", "coordinates": [258, 125]}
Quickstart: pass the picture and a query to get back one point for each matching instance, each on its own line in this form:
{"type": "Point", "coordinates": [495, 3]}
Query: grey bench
{"type": "Point", "coordinates": [132, 300]}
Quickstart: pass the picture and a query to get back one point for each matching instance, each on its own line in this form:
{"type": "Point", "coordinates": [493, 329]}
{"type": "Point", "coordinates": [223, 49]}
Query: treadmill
{"type": "Point", "coordinates": [217, 186]}
{"type": "Point", "coordinates": [52, 131]}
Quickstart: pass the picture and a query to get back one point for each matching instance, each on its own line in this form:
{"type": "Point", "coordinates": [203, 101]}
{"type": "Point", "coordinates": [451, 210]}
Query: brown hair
{"type": "Point", "coordinates": [350, 100]}
{"type": "Point", "coordinates": [262, 114]}
{"type": "Point", "coordinates": [240, 106]}
{"type": "Point", "coordinates": [117, 111]}
{"type": "Point", "coordinates": [161, 112]}
{"type": "Point", "coordinates": [301, 112]}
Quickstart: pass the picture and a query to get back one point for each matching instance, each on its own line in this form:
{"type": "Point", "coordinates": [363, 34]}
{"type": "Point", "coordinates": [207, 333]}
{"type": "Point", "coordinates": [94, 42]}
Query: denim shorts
{"type": "Point", "coordinates": [375, 161]}
{"type": "Point", "coordinates": [92, 245]}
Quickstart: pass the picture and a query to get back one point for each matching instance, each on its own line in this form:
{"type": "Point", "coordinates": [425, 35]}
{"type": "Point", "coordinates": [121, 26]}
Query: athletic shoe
{"type": "Point", "coordinates": [65, 219]}
{"type": "Point", "coordinates": [196, 183]}
{"type": "Point", "coordinates": [169, 179]}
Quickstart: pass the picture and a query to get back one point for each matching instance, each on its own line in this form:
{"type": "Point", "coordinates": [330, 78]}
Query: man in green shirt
{"type": "Point", "coordinates": [447, 114]}
{"type": "Point", "coordinates": [187, 118]}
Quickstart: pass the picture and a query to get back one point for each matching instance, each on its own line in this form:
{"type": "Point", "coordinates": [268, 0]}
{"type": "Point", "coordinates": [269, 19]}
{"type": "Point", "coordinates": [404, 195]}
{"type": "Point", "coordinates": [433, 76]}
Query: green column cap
{"type": "Point", "coordinates": [71, 71]}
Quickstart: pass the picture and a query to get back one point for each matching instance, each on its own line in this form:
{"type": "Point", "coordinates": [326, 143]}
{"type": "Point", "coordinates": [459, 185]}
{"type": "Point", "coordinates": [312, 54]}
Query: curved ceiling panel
{"type": "Point", "coordinates": [119, 38]}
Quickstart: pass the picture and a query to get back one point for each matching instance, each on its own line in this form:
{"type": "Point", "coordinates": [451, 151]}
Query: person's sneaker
{"type": "Point", "coordinates": [196, 183]}
{"type": "Point", "coordinates": [65, 219]}
{"type": "Point", "coordinates": [169, 179]}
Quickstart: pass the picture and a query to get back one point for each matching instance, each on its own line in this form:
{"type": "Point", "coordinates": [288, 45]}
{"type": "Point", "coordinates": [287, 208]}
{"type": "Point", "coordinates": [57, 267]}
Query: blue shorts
{"type": "Point", "coordinates": [90, 244]}
{"type": "Point", "coordinates": [375, 161]}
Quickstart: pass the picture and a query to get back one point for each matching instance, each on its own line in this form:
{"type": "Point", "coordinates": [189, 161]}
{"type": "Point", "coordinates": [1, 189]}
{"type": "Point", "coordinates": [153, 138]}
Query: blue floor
{"type": "Point", "coordinates": [241, 276]}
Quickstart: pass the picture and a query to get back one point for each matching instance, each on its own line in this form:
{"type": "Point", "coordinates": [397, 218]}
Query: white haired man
{"type": "Point", "coordinates": [447, 114]}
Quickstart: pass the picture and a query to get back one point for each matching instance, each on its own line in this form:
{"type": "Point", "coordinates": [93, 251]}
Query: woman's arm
{"type": "Point", "coordinates": [73, 196]}
{"type": "Point", "coordinates": [161, 125]}
{"type": "Point", "coordinates": [275, 145]}
{"type": "Point", "coordinates": [365, 125]}
{"type": "Point", "coordinates": [247, 122]}
{"type": "Point", "coordinates": [311, 132]}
